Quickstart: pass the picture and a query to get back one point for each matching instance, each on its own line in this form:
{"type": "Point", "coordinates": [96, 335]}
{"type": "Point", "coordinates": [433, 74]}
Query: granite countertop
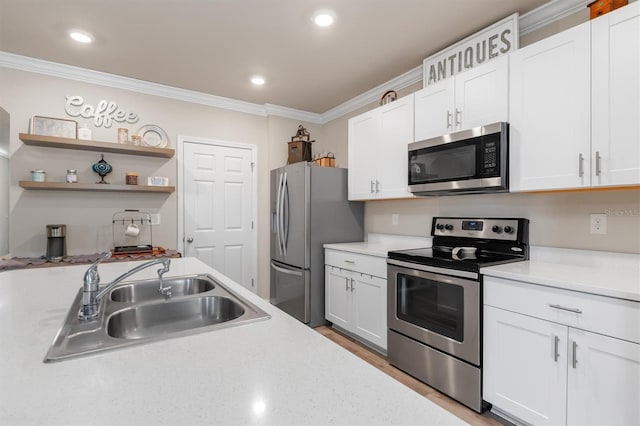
{"type": "Point", "coordinates": [380, 244]}
{"type": "Point", "coordinates": [276, 371]}
{"type": "Point", "coordinates": [601, 273]}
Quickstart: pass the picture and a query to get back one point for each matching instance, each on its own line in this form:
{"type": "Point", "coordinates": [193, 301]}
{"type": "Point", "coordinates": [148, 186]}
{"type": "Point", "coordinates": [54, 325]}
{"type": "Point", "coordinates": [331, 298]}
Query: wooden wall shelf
{"type": "Point", "coordinates": [96, 146]}
{"type": "Point", "coordinates": [63, 186]}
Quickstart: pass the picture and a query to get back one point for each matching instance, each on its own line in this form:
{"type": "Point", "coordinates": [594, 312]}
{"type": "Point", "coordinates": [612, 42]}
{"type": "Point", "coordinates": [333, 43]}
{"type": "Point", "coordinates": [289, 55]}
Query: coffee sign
{"type": "Point", "coordinates": [481, 47]}
{"type": "Point", "coordinates": [103, 114]}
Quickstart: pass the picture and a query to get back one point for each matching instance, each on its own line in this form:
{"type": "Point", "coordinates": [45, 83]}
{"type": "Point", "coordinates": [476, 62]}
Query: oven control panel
{"type": "Point", "coordinates": [493, 228]}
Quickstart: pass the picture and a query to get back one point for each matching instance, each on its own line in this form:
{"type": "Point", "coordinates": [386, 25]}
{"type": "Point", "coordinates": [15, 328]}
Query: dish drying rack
{"type": "Point", "coordinates": [127, 244]}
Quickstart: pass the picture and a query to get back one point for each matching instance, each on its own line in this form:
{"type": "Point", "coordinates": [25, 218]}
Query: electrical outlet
{"type": "Point", "coordinates": [598, 223]}
{"type": "Point", "coordinates": [155, 219]}
{"type": "Point", "coordinates": [394, 219]}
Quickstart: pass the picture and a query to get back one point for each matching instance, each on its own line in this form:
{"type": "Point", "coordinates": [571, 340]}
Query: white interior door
{"type": "Point", "coordinates": [218, 208]}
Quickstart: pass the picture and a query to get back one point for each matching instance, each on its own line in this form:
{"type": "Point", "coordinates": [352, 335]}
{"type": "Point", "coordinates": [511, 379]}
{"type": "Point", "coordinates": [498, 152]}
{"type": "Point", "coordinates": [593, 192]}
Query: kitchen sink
{"type": "Point", "coordinates": [159, 319]}
{"type": "Point", "coordinates": [135, 312]}
{"type": "Point", "coordinates": [144, 291]}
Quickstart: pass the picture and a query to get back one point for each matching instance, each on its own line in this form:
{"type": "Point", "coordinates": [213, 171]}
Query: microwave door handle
{"type": "Point", "coordinates": [279, 215]}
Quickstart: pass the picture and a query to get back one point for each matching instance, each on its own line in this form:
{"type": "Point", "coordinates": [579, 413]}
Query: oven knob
{"type": "Point", "coordinates": [497, 229]}
{"type": "Point", "coordinates": [440, 226]}
{"type": "Point", "coordinates": [508, 229]}
{"type": "Point", "coordinates": [448, 227]}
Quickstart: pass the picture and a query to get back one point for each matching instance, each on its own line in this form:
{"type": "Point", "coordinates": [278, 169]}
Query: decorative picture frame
{"type": "Point", "coordinates": [49, 126]}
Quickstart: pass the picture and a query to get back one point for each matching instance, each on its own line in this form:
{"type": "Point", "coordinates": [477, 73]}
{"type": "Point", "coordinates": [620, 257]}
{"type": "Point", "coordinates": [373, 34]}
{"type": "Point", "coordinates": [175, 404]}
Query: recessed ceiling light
{"type": "Point", "coordinates": [257, 80]}
{"type": "Point", "coordinates": [81, 36]}
{"type": "Point", "coordinates": [324, 18]}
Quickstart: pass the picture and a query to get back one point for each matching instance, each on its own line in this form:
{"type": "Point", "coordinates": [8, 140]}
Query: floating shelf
{"type": "Point", "coordinates": [63, 186]}
{"type": "Point", "coordinates": [96, 146]}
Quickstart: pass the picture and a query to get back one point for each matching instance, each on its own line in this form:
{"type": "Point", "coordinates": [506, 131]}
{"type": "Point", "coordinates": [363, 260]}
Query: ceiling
{"type": "Point", "coordinates": [215, 46]}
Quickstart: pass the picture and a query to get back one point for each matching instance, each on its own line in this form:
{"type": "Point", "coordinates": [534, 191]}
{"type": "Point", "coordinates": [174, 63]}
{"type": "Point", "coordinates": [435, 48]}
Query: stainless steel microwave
{"type": "Point", "coordinates": [468, 161]}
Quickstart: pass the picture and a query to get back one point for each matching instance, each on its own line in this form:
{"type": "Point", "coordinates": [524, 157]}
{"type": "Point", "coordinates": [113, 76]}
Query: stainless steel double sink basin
{"type": "Point", "coordinates": [136, 312]}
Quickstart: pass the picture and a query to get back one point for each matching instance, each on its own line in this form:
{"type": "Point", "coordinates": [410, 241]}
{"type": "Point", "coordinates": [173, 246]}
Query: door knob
{"type": "Point", "coordinates": [190, 240]}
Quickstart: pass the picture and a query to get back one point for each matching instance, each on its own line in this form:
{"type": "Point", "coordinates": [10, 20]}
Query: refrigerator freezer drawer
{"type": "Point", "coordinates": [290, 290]}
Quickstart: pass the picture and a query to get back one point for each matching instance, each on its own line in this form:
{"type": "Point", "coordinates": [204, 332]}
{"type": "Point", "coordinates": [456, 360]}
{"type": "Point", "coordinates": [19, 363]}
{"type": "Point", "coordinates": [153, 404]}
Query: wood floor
{"type": "Point", "coordinates": [431, 394]}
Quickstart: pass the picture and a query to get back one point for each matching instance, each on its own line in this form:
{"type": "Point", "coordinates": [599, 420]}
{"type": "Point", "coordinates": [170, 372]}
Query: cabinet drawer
{"type": "Point", "coordinates": [600, 314]}
{"type": "Point", "coordinates": [370, 265]}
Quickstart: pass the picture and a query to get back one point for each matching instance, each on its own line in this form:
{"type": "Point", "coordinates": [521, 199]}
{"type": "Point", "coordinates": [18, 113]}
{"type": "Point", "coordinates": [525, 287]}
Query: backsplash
{"type": "Point", "coordinates": [557, 219]}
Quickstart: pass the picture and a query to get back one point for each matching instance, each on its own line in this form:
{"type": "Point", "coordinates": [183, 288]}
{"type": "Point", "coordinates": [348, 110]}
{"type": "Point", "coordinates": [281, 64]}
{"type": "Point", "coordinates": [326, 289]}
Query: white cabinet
{"type": "Point", "coordinates": [473, 98]}
{"type": "Point", "coordinates": [356, 300]}
{"type": "Point", "coordinates": [555, 357]}
{"type": "Point", "coordinates": [616, 97]}
{"type": "Point", "coordinates": [549, 112]}
{"type": "Point", "coordinates": [574, 106]}
{"type": "Point", "coordinates": [378, 142]}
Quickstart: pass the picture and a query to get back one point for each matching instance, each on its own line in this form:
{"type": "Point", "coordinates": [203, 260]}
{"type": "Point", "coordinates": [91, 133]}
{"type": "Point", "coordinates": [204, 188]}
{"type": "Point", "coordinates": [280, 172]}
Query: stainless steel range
{"type": "Point", "coordinates": [435, 301]}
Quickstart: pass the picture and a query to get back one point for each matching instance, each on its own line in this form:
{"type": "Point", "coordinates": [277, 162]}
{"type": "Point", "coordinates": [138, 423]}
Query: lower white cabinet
{"type": "Point", "coordinates": [549, 370]}
{"type": "Point", "coordinates": [355, 300]}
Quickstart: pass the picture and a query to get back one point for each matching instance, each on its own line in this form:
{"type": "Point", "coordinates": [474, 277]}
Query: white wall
{"type": "Point", "coordinates": [88, 214]}
{"type": "Point", "coordinates": [4, 182]}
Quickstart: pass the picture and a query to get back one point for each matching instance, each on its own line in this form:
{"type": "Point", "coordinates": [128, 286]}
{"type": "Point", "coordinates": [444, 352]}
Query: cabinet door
{"type": "Point", "coordinates": [482, 95]}
{"type": "Point", "coordinates": [525, 366]}
{"type": "Point", "coordinates": [604, 385]}
{"type": "Point", "coordinates": [337, 296]}
{"type": "Point", "coordinates": [362, 156]}
{"type": "Point", "coordinates": [550, 112]}
{"type": "Point", "coordinates": [434, 109]}
{"type": "Point", "coordinates": [396, 132]}
{"type": "Point", "coordinates": [370, 309]}
{"type": "Point", "coordinates": [616, 97]}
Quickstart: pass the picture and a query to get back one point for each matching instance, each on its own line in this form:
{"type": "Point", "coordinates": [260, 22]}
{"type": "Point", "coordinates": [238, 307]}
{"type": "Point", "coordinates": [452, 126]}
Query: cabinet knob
{"type": "Point", "coordinates": [190, 239]}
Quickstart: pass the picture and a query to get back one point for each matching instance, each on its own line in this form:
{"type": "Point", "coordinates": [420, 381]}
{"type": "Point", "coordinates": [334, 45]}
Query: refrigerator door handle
{"type": "Point", "coordinates": [279, 214]}
{"type": "Point", "coordinates": [285, 214]}
{"type": "Point", "coordinates": [286, 271]}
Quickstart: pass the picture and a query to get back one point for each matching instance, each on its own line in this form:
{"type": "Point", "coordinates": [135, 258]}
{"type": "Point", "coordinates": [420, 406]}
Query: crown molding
{"type": "Point", "coordinates": [373, 95]}
{"type": "Point", "coordinates": [294, 114]}
{"type": "Point", "coordinates": [548, 13]}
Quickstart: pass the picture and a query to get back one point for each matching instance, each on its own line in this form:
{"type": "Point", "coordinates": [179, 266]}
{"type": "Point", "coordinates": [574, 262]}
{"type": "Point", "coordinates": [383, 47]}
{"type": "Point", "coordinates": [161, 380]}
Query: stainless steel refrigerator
{"type": "Point", "coordinates": [309, 208]}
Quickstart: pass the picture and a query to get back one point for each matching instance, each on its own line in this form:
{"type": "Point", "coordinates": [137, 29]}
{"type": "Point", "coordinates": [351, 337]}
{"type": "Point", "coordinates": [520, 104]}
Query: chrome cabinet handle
{"type": "Point", "coordinates": [598, 163]}
{"type": "Point", "coordinates": [346, 283]}
{"type": "Point", "coordinates": [190, 239]}
{"type": "Point", "coordinates": [458, 117]}
{"type": "Point", "coordinates": [350, 261]}
{"type": "Point", "coordinates": [556, 341]}
{"type": "Point", "coordinates": [448, 119]}
{"type": "Point", "coordinates": [580, 165]}
{"type": "Point", "coordinates": [564, 308]}
{"type": "Point", "coordinates": [377, 186]}
{"type": "Point", "coordinates": [352, 286]}
{"type": "Point", "coordinates": [372, 190]}
{"type": "Point", "coordinates": [574, 358]}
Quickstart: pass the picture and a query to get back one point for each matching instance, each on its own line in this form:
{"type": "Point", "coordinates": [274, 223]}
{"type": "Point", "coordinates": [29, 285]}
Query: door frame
{"type": "Point", "coordinates": [181, 140]}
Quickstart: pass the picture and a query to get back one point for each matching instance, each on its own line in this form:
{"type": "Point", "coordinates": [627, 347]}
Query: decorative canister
{"type": "Point", "coordinates": [72, 176]}
{"type": "Point", "coordinates": [38, 175]}
{"type": "Point", "coordinates": [132, 178]}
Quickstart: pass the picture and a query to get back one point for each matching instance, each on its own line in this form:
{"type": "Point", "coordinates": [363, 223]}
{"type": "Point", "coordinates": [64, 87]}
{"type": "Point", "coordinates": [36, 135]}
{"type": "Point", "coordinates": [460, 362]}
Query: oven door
{"type": "Point", "coordinates": [438, 310]}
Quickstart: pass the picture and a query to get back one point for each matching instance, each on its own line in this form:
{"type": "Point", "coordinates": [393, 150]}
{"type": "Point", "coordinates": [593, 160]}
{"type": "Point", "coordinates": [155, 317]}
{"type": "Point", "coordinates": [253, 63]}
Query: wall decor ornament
{"type": "Point", "coordinates": [102, 168]}
{"type": "Point", "coordinates": [103, 114]}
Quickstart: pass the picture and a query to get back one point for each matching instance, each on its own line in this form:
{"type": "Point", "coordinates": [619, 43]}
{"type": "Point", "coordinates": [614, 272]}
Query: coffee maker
{"type": "Point", "coordinates": [56, 243]}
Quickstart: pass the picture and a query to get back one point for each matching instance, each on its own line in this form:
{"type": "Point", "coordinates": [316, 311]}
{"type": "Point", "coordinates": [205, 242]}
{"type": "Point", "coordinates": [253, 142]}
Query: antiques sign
{"type": "Point", "coordinates": [103, 114]}
{"type": "Point", "coordinates": [485, 45]}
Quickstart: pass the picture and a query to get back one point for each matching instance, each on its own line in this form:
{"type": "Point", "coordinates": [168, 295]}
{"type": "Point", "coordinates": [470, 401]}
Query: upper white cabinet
{"type": "Point", "coordinates": [473, 98]}
{"type": "Point", "coordinates": [378, 142]}
{"type": "Point", "coordinates": [549, 112]}
{"type": "Point", "coordinates": [616, 97]}
{"type": "Point", "coordinates": [574, 106]}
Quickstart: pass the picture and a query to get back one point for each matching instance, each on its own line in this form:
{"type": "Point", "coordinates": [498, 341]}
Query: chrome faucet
{"type": "Point", "coordinates": [92, 293]}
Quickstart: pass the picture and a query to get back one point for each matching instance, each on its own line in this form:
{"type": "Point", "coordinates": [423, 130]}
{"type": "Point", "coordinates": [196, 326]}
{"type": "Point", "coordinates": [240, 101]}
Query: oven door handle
{"type": "Point", "coordinates": [433, 269]}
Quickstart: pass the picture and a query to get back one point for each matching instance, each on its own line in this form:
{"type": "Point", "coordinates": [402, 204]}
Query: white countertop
{"type": "Point", "coordinates": [602, 273]}
{"type": "Point", "coordinates": [276, 371]}
{"type": "Point", "coordinates": [380, 244]}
